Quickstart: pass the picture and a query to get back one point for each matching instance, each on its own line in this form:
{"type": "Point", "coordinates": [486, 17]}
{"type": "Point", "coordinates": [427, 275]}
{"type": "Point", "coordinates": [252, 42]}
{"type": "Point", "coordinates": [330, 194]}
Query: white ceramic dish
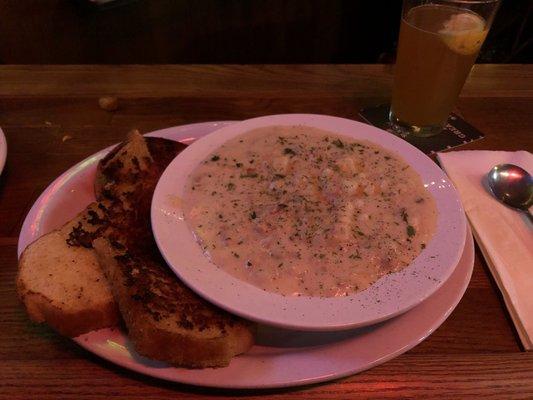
{"type": "Point", "coordinates": [388, 297]}
{"type": "Point", "coordinates": [280, 358]}
{"type": "Point", "coordinates": [3, 150]}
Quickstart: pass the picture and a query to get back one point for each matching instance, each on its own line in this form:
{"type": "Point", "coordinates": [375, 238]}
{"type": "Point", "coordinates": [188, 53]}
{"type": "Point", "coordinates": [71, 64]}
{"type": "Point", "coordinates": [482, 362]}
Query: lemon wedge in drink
{"type": "Point", "coordinates": [464, 33]}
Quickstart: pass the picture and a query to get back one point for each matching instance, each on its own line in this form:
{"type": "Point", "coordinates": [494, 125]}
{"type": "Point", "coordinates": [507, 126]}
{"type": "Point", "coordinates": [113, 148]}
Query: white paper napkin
{"type": "Point", "coordinates": [505, 236]}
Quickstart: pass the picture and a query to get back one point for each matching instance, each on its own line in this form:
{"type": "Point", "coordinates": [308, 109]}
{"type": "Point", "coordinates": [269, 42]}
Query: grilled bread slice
{"type": "Point", "coordinates": [118, 173]}
{"type": "Point", "coordinates": [60, 281]}
{"type": "Point", "coordinates": [166, 321]}
{"type": "Point", "coordinates": [138, 160]}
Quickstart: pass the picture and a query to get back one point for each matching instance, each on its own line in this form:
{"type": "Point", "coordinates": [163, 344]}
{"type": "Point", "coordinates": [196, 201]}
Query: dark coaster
{"type": "Point", "coordinates": [456, 133]}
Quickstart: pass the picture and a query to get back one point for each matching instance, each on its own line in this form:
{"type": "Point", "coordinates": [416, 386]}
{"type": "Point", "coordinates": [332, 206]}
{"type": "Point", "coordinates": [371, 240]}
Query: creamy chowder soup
{"type": "Point", "coordinates": [301, 211]}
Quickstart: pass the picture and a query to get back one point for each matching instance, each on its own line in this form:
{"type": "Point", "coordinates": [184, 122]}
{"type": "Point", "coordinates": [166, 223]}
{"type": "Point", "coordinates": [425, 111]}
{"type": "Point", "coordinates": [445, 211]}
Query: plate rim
{"type": "Point", "coordinates": [207, 285]}
{"type": "Point", "coordinates": [3, 150]}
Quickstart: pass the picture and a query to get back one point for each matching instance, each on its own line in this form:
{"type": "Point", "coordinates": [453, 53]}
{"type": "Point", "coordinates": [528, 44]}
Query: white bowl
{"type": "Point", "coordinates": [391, 295]}
{"type": "Point", "coordinates": [3, 150]}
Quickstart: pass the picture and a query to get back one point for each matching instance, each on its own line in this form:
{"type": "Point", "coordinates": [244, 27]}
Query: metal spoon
{"type": "Point", "coordinates": [513, 186]}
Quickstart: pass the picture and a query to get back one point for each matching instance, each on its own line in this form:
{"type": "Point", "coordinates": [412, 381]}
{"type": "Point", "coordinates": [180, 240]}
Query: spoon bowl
{"type": "Point", "coordinates": [512, 186]}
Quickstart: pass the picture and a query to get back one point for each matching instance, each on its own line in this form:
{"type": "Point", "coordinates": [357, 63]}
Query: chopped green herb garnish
{"type": "Point", "coordinates": [231, 186]}
{"type": "Point", "coordinates": [289, 151]}
{"type": "Point", "coordinates": [410, 230]}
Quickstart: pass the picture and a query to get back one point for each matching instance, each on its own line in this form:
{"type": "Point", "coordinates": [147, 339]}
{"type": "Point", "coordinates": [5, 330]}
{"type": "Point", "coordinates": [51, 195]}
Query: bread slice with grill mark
{"type": "Point", "coordinates": [119, 172]}
{"type": "Point", "coordinates": [137, 160]}
{"type": "Point", "coordinates": [166, 321]}
{"type": "Point", "coordinates": [60, 282]}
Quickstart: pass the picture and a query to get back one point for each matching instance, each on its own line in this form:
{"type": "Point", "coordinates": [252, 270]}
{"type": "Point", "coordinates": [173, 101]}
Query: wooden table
{"type": "Point", "coordinates": [52, 120]}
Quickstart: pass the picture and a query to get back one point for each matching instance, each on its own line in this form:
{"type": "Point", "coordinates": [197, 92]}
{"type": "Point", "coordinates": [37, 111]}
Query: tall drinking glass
{"type": "Point", "coordinates": [439, 43]}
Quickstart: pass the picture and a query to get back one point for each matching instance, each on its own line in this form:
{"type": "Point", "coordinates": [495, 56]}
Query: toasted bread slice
{"type": "Point", "coordinates": [119, 172]}
{"type": "Point", "coordinates": [138, 160]}
{"type": "Point", "coordinates": [166, 321]}
{"type": "Point", "coordinates": [60, 281]}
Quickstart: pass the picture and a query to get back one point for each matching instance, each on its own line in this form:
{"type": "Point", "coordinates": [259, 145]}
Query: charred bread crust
{"type": "Point", "coordinates": [129, 168]}
{"type": "Point", "coordinates": [166, 321]}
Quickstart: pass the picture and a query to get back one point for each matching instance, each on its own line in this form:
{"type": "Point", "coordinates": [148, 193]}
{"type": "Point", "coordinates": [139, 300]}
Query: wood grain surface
{"type": "Point", "coordinates": [51, 118]}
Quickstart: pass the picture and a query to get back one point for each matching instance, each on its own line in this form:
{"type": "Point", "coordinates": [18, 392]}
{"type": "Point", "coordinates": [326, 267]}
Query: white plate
{"type": "Point", "coordinates": [3, 150]}
{"type": "Point", "coordinates": [280, 358]}
{"type": "Point", "coordinates": [389, 296]}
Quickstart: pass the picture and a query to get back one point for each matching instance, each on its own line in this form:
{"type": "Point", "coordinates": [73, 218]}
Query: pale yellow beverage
{"type": "Point", "coordinates": [438, 46]}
